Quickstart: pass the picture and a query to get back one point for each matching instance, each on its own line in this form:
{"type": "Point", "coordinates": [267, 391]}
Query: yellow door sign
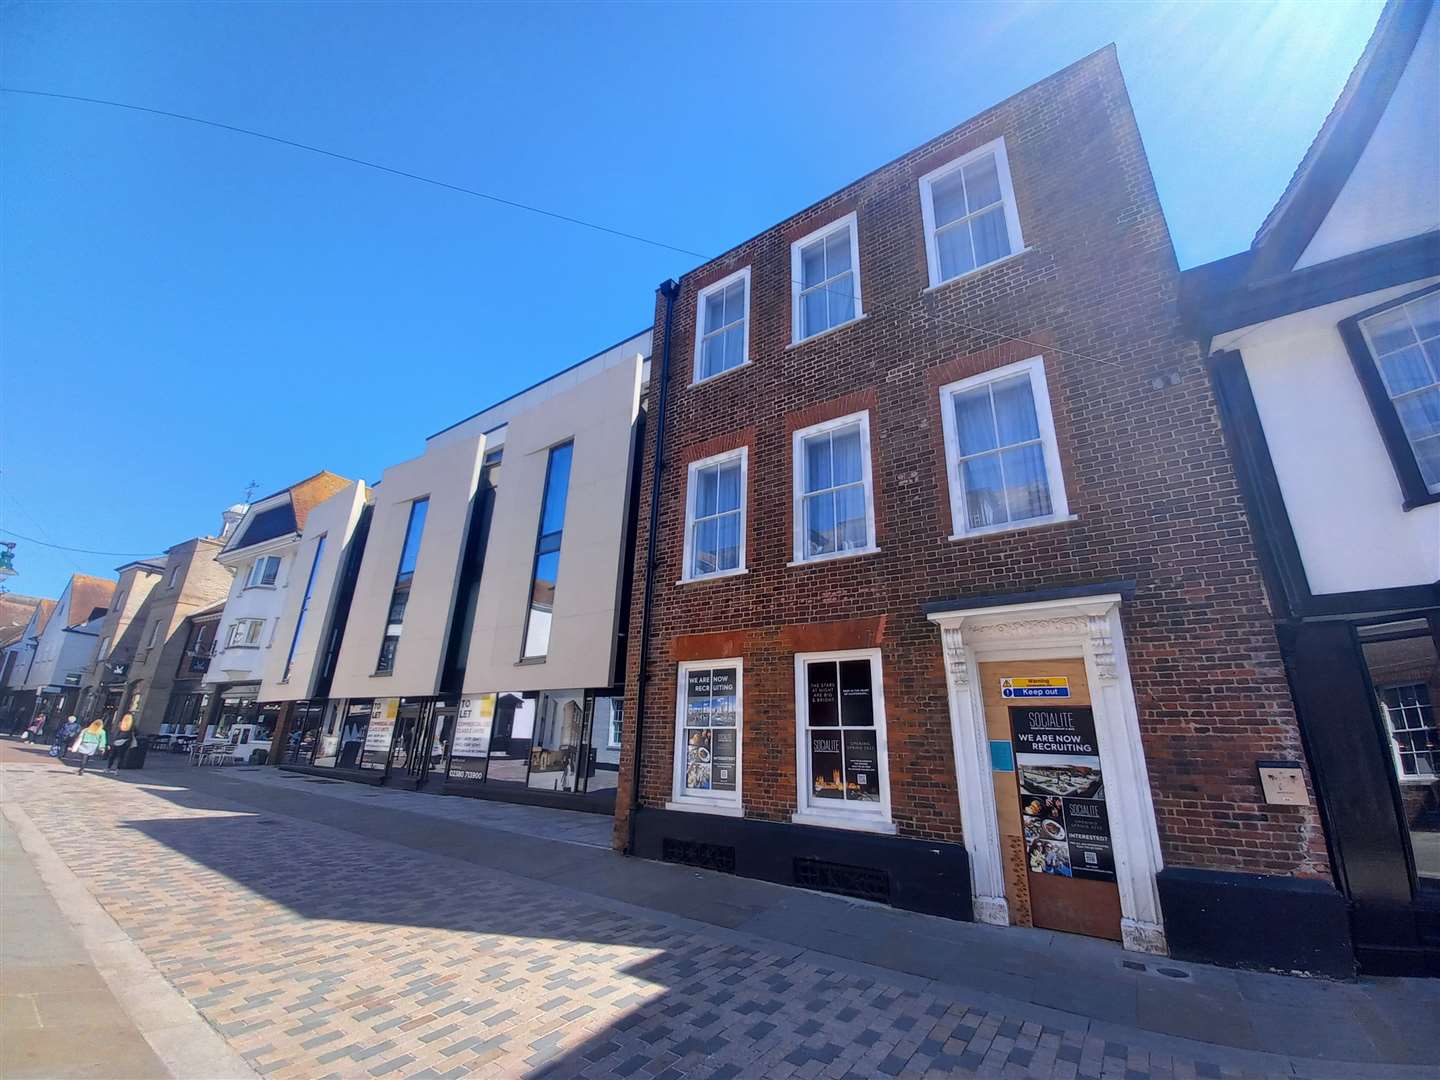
{"type": "Point", "coordinates": [1050, 686]}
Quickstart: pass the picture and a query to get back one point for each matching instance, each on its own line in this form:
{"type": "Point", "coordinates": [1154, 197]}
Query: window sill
{"type": "Point", "coordinates": [997, 530]}
{"type": "Point", "coordinates": [826, 333]}
{"type": "Point", "coordinates": [855, 823]}
{"type": "Point", "coordinates": [721, 374]}
{"type": "Point", "coordinates": [1419, 779]}
{"type": "Point", "coordinates": [247, 588]}
{"type": "Point", "coordinates": [531, 660]}
{"type": "Point", "coordinates": [381, 674]}
{"type": "Point", "coordinates": [718, 576]}
{"type": "Point", "coordinates": [819, 559]}
{"type": "Point", "coordinates": [689, 806]}
{"type": "Point", "coordinates": [977, 271]}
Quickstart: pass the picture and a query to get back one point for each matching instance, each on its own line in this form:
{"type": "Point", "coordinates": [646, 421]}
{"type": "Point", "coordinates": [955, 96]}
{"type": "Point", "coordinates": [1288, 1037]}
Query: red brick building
{"type": "Point", "coordinates": [951, 601]}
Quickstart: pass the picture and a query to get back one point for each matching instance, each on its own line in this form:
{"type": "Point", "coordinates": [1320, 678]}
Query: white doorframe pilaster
{"type": "Point", "coordinates": [1088, 628]}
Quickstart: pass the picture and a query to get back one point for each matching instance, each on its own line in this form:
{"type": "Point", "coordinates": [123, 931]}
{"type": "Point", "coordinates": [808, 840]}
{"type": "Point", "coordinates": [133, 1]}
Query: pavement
{"type": "Point", "coordinates": [321, 929]}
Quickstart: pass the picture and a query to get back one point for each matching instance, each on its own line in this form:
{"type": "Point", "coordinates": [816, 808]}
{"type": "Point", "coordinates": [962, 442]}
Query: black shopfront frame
{"type": "Point", "coordinates": [1394, 918]}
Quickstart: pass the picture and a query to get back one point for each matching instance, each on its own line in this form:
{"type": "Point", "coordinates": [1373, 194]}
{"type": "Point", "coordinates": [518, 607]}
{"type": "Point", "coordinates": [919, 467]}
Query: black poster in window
{"type": "Point", "coordinates": [722, 762]}
{"type": "Point", "coordinates": [857, 696]}
{"type": "Point", "coordinates": [722, 693]}
{"type": "Point", "coordinates": [827, 767]}
{"type": "Point", "coordinates": [697, 698]}
{"type": "Point", "coordinates": [862, 767]}
{"type": "Point", "coordinates": [822, 694]}
{"type": "Point", "coordinates": [1062, 792]}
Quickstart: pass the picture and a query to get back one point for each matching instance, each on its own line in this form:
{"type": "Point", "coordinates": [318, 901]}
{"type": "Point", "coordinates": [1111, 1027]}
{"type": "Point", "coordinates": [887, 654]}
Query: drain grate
{"type": "Point", "coordinates": [699, 854]}
{"type": "Point", "coordinates": [861, 882]}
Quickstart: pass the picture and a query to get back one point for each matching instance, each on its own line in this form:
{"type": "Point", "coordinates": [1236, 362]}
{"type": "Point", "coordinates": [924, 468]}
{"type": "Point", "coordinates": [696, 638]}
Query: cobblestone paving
{"type": "Point", "coordinates": [317, 953]}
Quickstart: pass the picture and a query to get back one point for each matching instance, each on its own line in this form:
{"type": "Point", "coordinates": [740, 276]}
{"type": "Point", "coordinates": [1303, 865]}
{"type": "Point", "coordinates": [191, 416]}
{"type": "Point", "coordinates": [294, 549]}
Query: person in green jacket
{"type": "Point", "coordinates": [90, 742]}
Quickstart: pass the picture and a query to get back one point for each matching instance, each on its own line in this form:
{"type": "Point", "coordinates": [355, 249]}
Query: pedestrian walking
{"type": "Point", "coordinates": [35, 730]}
{"type": "Point", "coordinates": [64, 737]}
{"type": "Point", "coordinates": [90, 742]}
{"type": "Point", "coordinates": [123, 739]}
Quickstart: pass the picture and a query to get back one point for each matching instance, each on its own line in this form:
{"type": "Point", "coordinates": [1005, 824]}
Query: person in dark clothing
{"type": "Point", "coordinates": [64, 737]}
{"type": "Point", "coordinates": [121, 741]}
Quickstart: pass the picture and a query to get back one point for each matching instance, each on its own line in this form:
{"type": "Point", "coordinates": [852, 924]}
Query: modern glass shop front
{"type": "Point", "coordinates": [561, 743]}
{"type": "Point", "coordinates": [559, 747]}
{"type": "Point", "coordinates": [303, 733]}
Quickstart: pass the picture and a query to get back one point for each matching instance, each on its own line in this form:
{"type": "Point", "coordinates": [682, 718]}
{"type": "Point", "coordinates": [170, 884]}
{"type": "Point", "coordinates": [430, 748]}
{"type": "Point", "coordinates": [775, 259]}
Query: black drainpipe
{"type": "Point", "coordinates": [669, 289]}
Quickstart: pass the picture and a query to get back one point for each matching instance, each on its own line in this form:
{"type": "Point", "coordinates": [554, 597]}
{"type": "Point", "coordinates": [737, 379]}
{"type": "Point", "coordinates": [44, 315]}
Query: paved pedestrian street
{"type": "Point", "coordinates": [318, 951]}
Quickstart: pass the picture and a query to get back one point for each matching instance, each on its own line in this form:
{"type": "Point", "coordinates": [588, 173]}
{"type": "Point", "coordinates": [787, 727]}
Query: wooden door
{"type": "Point", "coordinates": [1050, 797]}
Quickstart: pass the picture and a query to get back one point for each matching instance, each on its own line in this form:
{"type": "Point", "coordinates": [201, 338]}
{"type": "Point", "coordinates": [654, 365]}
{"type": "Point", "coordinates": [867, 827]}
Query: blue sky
{"type": "Point", "coordinates": [185, 310]}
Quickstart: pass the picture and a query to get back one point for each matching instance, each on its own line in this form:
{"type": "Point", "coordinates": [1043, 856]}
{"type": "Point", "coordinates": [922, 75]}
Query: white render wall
{"type": "Point", "coordinates": [61, 651]}
{"type": "Point", "coordinates": [246, 663]}
{"type": "Point", "coordinates": [1394, 190]}
{"type": "Point", "coordinates": [1340, 488]}
{"type": "Point", "coordinates": [448, 472]}
{"type": "Point", "coordinates": [599, 414]}
{"type": "Point", "coordinates": [335, 520]}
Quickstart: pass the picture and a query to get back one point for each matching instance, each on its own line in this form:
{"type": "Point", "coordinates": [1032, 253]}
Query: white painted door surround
{"type": "Point", "coordinates": [1089, 628]}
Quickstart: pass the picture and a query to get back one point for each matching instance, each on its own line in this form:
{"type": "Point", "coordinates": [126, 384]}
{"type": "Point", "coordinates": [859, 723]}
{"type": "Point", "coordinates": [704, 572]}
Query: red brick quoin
{"type": "Point", "coordinates": [1148, 480]}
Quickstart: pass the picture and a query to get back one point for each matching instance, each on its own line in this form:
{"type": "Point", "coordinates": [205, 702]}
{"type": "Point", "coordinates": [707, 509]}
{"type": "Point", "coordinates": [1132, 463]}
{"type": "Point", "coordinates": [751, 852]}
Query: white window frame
{"type": "Point", "coordinates": [841, 814]}
{"type": "Point", "coordinates": [154, 634]}
{"type": "Point", "coordinates": [174, 573]}
{"type": "Point", "coordinates": [726, 803]}
{"type": "Point", "coordinates": [719, 287]}
{"type": "Point", "coordinates": [1390, 733]}
{"type": "Point", "coordinates": [850, 221]}
{"type": "Point", "coordinates": [1040, 392]}
{"type": "Point", "coordinates": [255, 579]}
{"type": "Point", "coordinates": [104, 649]}
{"type": "Point", "coordinates": [691, 490]}
{"type": "Point", "coordinates": [245, 640]}
{"type": "Point", "coordinates": [797, 488]}
{"type": "Point", "coordinates": [614, 735]}
{"type": "Point", "coordinates": [1007, 200]}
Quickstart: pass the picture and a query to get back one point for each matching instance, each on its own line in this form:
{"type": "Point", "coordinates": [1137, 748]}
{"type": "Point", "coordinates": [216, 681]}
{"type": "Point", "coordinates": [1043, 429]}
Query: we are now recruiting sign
{"type": "Point", "coordinates": [1049, 686]}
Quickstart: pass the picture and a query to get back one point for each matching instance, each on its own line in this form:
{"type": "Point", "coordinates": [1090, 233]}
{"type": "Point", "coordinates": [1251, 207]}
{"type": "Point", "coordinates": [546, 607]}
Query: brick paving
{"type": "Point", "coordinates": [320, 953]}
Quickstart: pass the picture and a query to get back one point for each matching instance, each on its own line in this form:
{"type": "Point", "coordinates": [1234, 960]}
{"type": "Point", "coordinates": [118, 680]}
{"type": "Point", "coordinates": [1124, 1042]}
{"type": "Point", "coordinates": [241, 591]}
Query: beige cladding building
{"type": "Point", "coordinates": [597, 418]}
{"type": "Point", "coordinates": [477, 602]}
{"type": "Point", "coordinates": [426, 500]}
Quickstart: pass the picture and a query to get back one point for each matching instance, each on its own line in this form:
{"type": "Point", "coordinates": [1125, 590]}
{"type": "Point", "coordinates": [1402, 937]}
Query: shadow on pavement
{"type": "Point", "coordinates": [694, 997]}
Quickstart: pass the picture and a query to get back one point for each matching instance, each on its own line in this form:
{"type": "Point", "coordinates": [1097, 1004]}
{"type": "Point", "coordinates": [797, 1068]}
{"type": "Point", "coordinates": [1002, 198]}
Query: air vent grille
{"type": "Point", "coordinates": [861, 882]}
{"type": "Point", "coordinates": [697, 853]}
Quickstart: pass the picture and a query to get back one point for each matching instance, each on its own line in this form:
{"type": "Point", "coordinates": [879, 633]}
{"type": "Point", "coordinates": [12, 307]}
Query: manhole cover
{"type": "Point", "coordinates": [1173, 973]}
{"type": "Point", "coordinates": [1133, 965]}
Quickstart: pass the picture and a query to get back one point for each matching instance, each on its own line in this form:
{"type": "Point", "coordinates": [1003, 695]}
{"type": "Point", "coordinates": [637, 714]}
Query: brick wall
{"type": "Point", "coordinates": [1144, 464]}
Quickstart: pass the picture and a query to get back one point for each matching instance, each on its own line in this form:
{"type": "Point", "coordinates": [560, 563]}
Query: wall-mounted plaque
{"type": "Point", "coordinates": [1283, 783]}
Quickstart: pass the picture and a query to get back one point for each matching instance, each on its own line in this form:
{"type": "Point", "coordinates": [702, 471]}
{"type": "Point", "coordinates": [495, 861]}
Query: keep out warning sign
{"type": "Point", "coordinates": [1049, 686]}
